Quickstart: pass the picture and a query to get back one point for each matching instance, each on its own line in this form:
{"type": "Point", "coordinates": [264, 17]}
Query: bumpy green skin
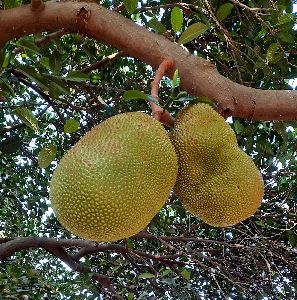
{"type": "Point", "coordinates": [115, 179]}
{"type": "Point", "coordinates": [216, 180]}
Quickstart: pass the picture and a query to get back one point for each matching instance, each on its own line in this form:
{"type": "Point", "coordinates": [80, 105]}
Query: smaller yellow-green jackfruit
{"type": "Point", "coordinates": [216, 180]}
{"type": "Point", "coordinates": [115, 179]}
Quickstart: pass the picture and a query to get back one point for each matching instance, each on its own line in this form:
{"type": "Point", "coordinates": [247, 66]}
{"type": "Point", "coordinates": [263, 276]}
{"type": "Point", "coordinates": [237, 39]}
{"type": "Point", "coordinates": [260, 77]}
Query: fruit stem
{"type": "Point", "coordinates": [159, 113]}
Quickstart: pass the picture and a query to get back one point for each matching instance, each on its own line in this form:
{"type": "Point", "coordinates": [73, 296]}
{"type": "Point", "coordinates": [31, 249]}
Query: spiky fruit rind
{"type": "Point", "coordinates": [115, 179]}
{"type": "Point", "coordinates": [216, 180]}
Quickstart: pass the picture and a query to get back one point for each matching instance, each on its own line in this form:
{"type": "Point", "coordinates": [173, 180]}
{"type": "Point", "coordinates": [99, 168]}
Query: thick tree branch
{"type": "Point", "coordinates": [198, 76]}
{"type": "Point", "coordinates": [8, 246]}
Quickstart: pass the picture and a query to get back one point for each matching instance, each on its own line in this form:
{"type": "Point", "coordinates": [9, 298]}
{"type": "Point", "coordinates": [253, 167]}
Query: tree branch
{"type": "Point", "coordinates": [75, 266]}
{"type": "Point", "coordinates": [45, 97]}
{"type": "Point", "coordinates": [46, 39]}
{"type": "Point", "coordinates": [106, 60]}
{"type": "Point", "coordinates": [9, 246]}
{"type": "Point", "coordinates": [198, 76]}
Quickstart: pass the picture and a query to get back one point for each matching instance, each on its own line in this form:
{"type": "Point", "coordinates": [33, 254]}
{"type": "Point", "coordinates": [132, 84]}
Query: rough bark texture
{"type": "Point", "coordinates": [198, 76]}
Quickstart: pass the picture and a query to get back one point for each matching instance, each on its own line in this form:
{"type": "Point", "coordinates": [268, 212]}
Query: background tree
{"type": "Point", "coordinates": [57, 82]}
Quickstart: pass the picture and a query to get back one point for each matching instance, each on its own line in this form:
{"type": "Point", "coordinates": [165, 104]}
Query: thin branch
{"type": "Point", "coordinates": [185, 239]}
{"type": "Point", "coordinates": [228, 37]}
{"type": "Point", "coordinates": [46, 39]}
{"type": "Point", "coordinates": [78, 267]}
{"type": "Point", "coordinates": [185, 6]}
{"type": "Point", "coordinates": [108, 59]}
{"type": "Point", "coordinates": [252, 9]}
{"type": "Point", "coordinates": [42, 94]}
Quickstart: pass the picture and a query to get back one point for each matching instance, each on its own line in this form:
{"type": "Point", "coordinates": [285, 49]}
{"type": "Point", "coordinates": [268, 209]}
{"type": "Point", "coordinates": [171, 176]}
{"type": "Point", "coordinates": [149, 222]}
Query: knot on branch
{"type": "Point", "coordinates": [82, 17]}
{"type": "Point", "coordinates": [37, 5]}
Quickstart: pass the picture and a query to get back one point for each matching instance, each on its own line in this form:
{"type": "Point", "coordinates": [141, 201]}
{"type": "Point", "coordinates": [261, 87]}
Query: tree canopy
{"type": "Point", "coordinates": [58, 79]}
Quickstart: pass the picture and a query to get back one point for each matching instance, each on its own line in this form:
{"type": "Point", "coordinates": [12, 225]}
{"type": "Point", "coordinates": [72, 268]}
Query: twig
{"type": "Point", "coordinates": [229, 40]}
{"type": "Point", "coordinates": [47, 98]}
{"type": "Point", "coordinates": [185, 239]}
{"type": "Point", "coordinates": [108, 59]}
{"type": "Point", "coordinates": [75, 266]}
{"type": "Point", "coordinates": [46, 39]}
{"type": "Point", "coordinates": [252, 9]}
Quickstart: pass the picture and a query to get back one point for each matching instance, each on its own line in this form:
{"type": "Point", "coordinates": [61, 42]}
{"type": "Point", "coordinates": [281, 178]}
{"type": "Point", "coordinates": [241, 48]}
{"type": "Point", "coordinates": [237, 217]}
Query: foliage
{"type": "Point", "coordinates": [49, 100]}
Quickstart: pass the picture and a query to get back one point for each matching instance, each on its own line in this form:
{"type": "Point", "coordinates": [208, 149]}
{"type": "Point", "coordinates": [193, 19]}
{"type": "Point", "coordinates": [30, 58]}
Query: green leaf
{"type": "Point", "coordinates": [135, 94]}
{"type": "Point", "coordinates": [238, 127]}
{"type": "Point", "coordinates": [205, 99]}
{"type": "Point", "coordinates": [6, 88]}
{"type": "Point", "coordinates": [11, 3]}
{"type": "Point", "coordinates": [2, 56]}
{"type": "Point", "coordinates": [11, 144]}
{"type": "Point", "coordinates": [130, 5]}
{"type": "Point", "coordinates": [77, 76]}
{"type": "Point", "coordinates": [175, 80]}
{"type": "Point", "coordinates": [32, 273]}
{"type": "Point", "coordinates": [55, 62]}
{"type": "Point", "coordinates": [268, 149]}
{"type": "Point", "coordinates": [28, 44]}
{"type": "Point", "coordinates": [130, 296]}
{"type": "Point", "coordinates": [185, 99]}
{"type": "Point", "coordinates": [192, 32]}
{"type": "Point", "coordinates": [30, 72]}
{"type": "Point", "coordinates": [47, 155]}
{"type": "Point", "coordinates": [71, 126]}
{"type": "Point", "coordinates": [44, 61]}
{"type": "Point", "coordinates": [177, 19]}
{"type": "Point", "coordinates": [166, 272]}
{"type": "Point", "coordinates": [292, 237]}
{"type": "Point", "coordinates": [157, 26]}
{"type": "Point", "coordinates": [248, 130]}
{"type": "Point", "coordinates": [6, 60]}
{"type": "Point", "coordinates": [271, 52]}
{"type": "Point", "coordinates": [287, 37]}
{"type": "Point", "coordinates": [54, 91]}
{"type": "Point", "coordinates": [224, 11]}
{"type": "Point", "coordinates": [146, 275]}
{"type": "Point", "coordinates": [182, 94]}
{"type": "Point", "coordinates": [57, 86]}
{"type": "Point", "coordinates": [186, 274]}
{"type": "Point", "coordinates": [27, 117]}
{"type": "Point", "coordinates": [286, 18]}
{"type": "Point", "coordinates": [130, 244]}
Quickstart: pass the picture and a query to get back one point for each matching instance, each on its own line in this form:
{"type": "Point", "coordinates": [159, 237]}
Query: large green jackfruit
{"type": "Point", "coordinates": [111, 183]}
{"type": "Point", "coordinates": [216, 180]}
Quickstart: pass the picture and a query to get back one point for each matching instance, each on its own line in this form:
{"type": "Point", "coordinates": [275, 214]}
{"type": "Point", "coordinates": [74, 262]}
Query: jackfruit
{"type": "Point", "coordinates": [113, 181]}
{"type": "Point", "coordinates": [216, 180]}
